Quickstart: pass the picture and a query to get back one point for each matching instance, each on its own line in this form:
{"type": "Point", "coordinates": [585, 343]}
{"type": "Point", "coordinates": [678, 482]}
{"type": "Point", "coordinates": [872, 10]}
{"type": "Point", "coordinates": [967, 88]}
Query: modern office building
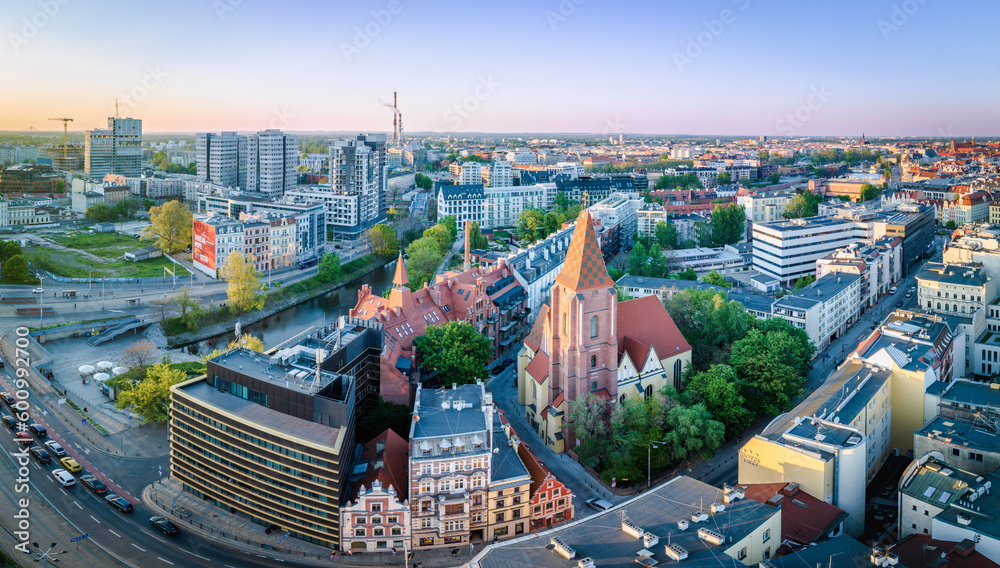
{"type": "Point", "coordinates": [498, 174]}
{"type": "Point", "coordinates": [358, 168]}
{"type": "Point", "coordinates": [29, 178]}
{"type": "Point", "coordinates": [618, 209]}
{"type": "Point", "coordinates": [269, 436]}
{"type": "Point", "coordinates": [263, 162]}
{"type": "Point", "coordinates": [788, 250]}
{"type": "Point", "coordinates": [114, 150]}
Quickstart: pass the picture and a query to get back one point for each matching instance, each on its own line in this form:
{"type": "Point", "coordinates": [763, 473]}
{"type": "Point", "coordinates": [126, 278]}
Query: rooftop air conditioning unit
{"type": "Point", "coordinates": [676, 552]}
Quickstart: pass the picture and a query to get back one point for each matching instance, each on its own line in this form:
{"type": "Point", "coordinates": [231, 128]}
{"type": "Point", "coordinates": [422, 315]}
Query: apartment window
{"type": "Point", "coordinates": [426, 506]}
{"type": "Point", "coordinates": [914, 507]}
{"type": "Point", "coordinates": [376, 507]}
{"type": "Point", "coordinates": [927, 513]}
{"type": "Point", "coordinates": [500, 503]}
{"type": "Point", "coordinates": [742, 554]}
{"type": "Point", "coordinates": [975, 456]}
{"type": "Point", "coordinates": [396, 531]}
{"type": "Point", "coordinates": [379, 531]}
{"type": "Point", "coordinates": [453, 509]}
{"type": "Point", "coordinates": [391, 520]}
{"type": "Point", "coordinates": [425, 487]}
{"type": "Point", "coordinates": [359, 532]}
{"type": "Point", "coordinates": [767, 535]}
{"type": "Point", "coordinates": [477, 500]}
{"type": "Point", "coordinates": [361, 520]}
{"type": "Point", "coordinates": [538, 509]}
{"type": "Point", "coordinates": [500, 517]}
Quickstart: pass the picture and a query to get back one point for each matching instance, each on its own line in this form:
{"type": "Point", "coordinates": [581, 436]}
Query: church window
{"type": "Point", "coordinates": [593, 326]}
{"type": "Point", "coordinates": [593, 361]}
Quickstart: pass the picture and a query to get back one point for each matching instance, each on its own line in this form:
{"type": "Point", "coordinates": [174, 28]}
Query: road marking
{"type": "Point", "coordinates": [164, 560]}
{"type": "Point", "coordinates": [64, 491]}
{"type": "Point", "coordinates": [193, 554]}
{"type": "Point", "coordinates": [114, 533]}
{"type": "Point", "coordinates": [279, 560]}
{"type": "Point", "coordinates": [86, 451]}
{"type": "Point", "coordinates": [151, 535]}
{"type": "Point", "coordinates": [78, 446]}
{"type": "Point", "coordinates": [77, 505]}
{"type": "Point", "coordinates": [139, 547]}
{"type": "Point", "coordinates": [95, 519]}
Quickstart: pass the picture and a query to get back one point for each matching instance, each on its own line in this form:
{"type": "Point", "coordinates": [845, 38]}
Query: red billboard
{"type": "Point", "coordinates": [203, 247]}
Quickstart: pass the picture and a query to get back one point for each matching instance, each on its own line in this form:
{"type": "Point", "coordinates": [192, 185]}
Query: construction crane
{"type": "Point", "coordinates": [65, 122]}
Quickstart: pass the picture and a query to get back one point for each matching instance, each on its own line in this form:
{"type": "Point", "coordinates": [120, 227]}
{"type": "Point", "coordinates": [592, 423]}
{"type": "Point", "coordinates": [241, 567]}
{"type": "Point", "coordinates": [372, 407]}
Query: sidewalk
{"type": "Point", "coordinates": [235, 531]}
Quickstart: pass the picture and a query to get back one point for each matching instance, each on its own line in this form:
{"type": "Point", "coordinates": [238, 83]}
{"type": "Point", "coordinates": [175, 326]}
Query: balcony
{"type": "Point", "coordinates": [509, 325]}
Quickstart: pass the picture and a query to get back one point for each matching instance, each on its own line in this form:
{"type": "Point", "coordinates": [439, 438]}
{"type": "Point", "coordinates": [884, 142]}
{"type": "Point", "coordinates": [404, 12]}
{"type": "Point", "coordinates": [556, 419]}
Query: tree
{"type": "Point", "coordinates": [442, 236]}
{"type": "Point", "coordinates": [251, 342]}
{"type": "Point", "coordinates": [161, 305]}
{"type": "Point", "coordinates": [716, 279]}
{"type": "Point", "coordinates": [805, 204]}
{"type": "Point", "coordinates": [638, 260]}
{"type": "Point", "coordinates": [710, 323]}
{"type": "Point", "coordinates": [719, 389]}
{"type": "Point", "coordinates": [139, 353]}
{"type": "Point", "coordinates": [101, 213]}
{"type": "Point", "coordinates": [424, 257]}
{"type": "Point", "coordinates": [150, 397]}
{"type": "Point", "coordinates": [585, 418]}
{"type": "Point", "coordinates": [868, 191]}
{"type": "Point", "coordinates": [188, 308]}
{"type": "Point", "coordinates": [688, 274]}
{"type": "Point", "coordinates": [530, 224]}
{"type": "Point", "coordinates": [423, 182]}
{"type": "Point", "coordinates": [774, 178]}
{"type": "Point", "coordinates": [456, 351]}
{"type": "Point", "coordinates": [244, 282]}
{"type": "Point", "coordinates": [383, 240]}
{"type": "Point", "coordinates": [728, 224]}
{"type": "Point", "coordinates": [666, 235]}
{"type": "Point", "coordinates": [9, 249]}
{"type": "Point", "coordinates": [705, 234]}
{"type": "Point", "coordinates": [451, 223]}
{"type": "Point", "coordinates": [398, 417]}
{"type": "Point", "coordinates": [16, 269]}
{"type": "Point", "coordinates": [724, 178]}
{"type": "Point", "coordinates": [804, 281]}
{"type": "Point", "coordinates": [691, 430]}
{"type": "Point", "coordinates": [772, 360]}
{"type": "Point", "coordinates": [329, 267]}
{"type": "Point", "coordinates": [171, 226]}
{"type": "Point", "coordinates": [477, 240]}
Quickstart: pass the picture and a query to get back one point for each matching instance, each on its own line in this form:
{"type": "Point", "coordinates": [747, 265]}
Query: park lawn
{"type": "Point", "coordinates": [108, 245]}
{"type": "Point", "coordinates": [65, 263]}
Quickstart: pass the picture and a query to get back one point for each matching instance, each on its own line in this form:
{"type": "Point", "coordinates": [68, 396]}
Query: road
{"type": "Point", "coordinates": [125, 536]}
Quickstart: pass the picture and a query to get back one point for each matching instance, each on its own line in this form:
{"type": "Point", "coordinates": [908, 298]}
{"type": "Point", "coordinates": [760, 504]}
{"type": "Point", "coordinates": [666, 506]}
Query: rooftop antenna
{"type": "Point", "coordinates": [116, 107]}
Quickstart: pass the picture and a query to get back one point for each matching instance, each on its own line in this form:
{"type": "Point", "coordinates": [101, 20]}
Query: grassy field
{"type": "Point", "coordinates": [109, 246]}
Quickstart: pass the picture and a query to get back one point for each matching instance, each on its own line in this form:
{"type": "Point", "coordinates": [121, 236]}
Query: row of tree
{"type": "Point", "coordinates": [537, 224]}
{"type": "Point", "coordinates": [163, 162]}
{"type": "Point", "coordinates": [13, 266]}
{"type": "Point", "coordinates": [425, 254]}
{"type": "Point", "coordinates": [125, 209]}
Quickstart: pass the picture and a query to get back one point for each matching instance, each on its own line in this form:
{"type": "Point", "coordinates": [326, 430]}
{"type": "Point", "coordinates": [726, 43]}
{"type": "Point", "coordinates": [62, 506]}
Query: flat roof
{"type": "Point", "coordinates": [449, 412]}
{"type": "Point", "coordinates": [601, 538]}
{"type": "Point", "coordinates": [952, 431]}
{"type": "Point", "coordinates": [967, 392]}
{"type": "Point", "coordinates": [293, 367]}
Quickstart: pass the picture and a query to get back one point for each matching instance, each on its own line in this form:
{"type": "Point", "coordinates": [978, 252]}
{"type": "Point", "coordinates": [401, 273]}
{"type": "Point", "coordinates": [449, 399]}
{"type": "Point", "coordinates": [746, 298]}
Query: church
{"type": "Point", "coordinates": [585, 341]}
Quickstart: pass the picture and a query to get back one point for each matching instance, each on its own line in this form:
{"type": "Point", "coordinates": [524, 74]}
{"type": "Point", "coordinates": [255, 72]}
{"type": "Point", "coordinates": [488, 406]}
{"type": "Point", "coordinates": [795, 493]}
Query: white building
{"type": "Point", "coordinates": [954, 289]}
{"type": "Point", "coordinates": [263, 162]}
{"type": "Point", "coordinates": [522, 157]}
{"type": "Point", "coordinates": [343, 208]}
{"type": "Point", "coordinates": [358, 167]}
{"type": "Point", "coordinates": [217, 157]}
{"type": "Point", "coordinates": [879, 263]}
{"type": "Point", "coordinates": [472, 173]}
{"type": "Point", "coordinates": [825, 309]}
{"type": "Point", "coordinates": [214, 238]}
{"type": "Point", "coordinates": [498, 174]}
{"type": "Point", "coordinates": [763, 207]}
{"type": "Point", "coordinates": [787, 250]}
{"type": "Point", "coordinates": [376, 517]}
{"type": "Point", "coordinates": [618, 209]}
{"type": "Point", "coordinates": [114, 150]}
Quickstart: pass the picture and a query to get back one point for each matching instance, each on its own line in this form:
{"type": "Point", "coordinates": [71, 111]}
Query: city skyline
{"type": "Point", "coordinates": [726, 68]}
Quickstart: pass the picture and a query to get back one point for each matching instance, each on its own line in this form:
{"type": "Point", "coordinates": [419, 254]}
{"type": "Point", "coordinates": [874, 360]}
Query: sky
{"type": "Point", "coordinates": [713, 67]}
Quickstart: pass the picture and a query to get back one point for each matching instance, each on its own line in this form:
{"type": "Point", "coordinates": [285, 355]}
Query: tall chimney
{"type": "Point", "coordinates": [468, 243]}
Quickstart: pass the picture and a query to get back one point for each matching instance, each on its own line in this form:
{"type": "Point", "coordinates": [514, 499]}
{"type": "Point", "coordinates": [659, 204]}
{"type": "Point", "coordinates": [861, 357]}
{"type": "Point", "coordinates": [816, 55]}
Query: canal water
{"type": "Point", "coordinates": [317, 311]}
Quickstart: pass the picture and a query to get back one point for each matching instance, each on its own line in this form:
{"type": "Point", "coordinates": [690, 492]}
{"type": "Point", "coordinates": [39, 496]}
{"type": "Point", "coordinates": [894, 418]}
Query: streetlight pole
{"type": "Point", "coordinates": [45, 555]}
{"type": "Point", "coordinates": [649, 461]}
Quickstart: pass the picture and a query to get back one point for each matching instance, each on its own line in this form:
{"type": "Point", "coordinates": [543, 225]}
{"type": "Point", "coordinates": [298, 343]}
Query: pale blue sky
{"type": "Point", "coordinates": [745, 67]}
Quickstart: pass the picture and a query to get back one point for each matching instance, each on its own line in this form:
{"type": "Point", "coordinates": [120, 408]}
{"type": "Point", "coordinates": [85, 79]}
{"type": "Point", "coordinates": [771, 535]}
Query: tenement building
{"type": "Point", "coordinates": [269, 436]}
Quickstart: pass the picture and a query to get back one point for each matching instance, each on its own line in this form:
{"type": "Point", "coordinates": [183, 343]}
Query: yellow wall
{"type": "Point", "coordinates": [754, 542]}
{"type": "Point", "coordinates": [907, 408]}
{"type": "Point", "coordinates": [764, 461]}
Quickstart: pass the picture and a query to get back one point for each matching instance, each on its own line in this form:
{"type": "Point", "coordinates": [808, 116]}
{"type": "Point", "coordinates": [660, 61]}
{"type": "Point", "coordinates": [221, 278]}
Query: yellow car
{"type": "Point", "coordinates": [71, 465]}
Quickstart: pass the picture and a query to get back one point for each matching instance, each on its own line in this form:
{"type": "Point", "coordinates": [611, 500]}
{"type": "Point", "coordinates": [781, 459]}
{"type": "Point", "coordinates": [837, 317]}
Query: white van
{"type": "Point", "coordinates": [892, 290]}
{"type": "Point", "coordinates": [64, 477]}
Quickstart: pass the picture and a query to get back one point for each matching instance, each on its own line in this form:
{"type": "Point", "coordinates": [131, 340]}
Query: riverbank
{"type": "Point", "coordinates": [270, 309]}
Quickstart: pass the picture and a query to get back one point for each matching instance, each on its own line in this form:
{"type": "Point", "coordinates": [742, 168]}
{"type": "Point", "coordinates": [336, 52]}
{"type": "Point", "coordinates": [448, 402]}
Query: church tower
{"type": "Point", "coordinates": [584, 348]}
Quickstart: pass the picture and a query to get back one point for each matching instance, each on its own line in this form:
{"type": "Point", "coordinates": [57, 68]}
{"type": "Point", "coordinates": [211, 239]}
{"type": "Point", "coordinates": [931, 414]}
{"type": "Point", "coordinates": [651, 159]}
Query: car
{"type": "Point", "coordinates": [93, 483]}
{"type": "Point", "coordinates": [41, 455]}
{"type": "Point", "coordinates": [497, 370]}
{"type": "Point", "coordinates": [64, 477]}
{"type": "Point", "coordinates": [163, 525]}
{"type": "Point", "coordinates": [892, 290]}
{"type": "Point", "coordinates": [908, 295]}
{"type": "Point", "coordinates": [899, 304]}
{"type": "Point", "coordinates": [71, 464]}
{"type": "Point", "coordinates": [10, 421]}
{"type": "Point", "coordinates": [337, 247]}
{"type": "Point", "coordinates": [507, 362]}
{"type": "Point", "coordinates": [38, 291]}
{"type": "Point", "coordinates": [118, 503]}
{"type": "Point", "coordinates": [598, 504]}
{"type": "Point", "coordinates": [24, 438]}
{"type": "Point", "coordinates": [38, 430]}
{"type": "Point", "coordinates": [2, 363]}
{"type": "Point", "coordinates": [7, 398]}
{"type": "Point", "coordinates": [55, 448]}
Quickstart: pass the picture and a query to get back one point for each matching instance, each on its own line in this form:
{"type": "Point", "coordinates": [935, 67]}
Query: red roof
{"type": "Point", "coordinates": [804, 518]}
{"type": "Point", "coordinates": [534, 339]}
{"type": "Point", "coordinates": [584, 268]}
{"type": "Point", "coordinates": [646, 321]}
{"type": "Point", "coordinates": [391, 449]}
{"type": "Point", "coordinates": [538, 368]}
{"type": "Point", "coordinates": [919, 549]}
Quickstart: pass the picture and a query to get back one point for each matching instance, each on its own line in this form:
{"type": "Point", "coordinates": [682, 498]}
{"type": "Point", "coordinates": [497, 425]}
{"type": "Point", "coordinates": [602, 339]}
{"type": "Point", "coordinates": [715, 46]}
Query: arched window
{"type": "Point", "coordinates": [593, 361]}
{"type": "Point", "coordinates": [954, 308]}
{"type": "Point", "coordinates": [939, 305]}
{"type": "Point", "coordinates": [677, 374]}
{"type": "Point", "coordinates": [649, 391]}
{"type": "Point", "coordinates": [928, 304]}
{"type": "Point", "coordinates": [593, 326]}
{"type": "Point", "coordinates": [621, 399]}
{"type": "Point", "coordinates": [565, 328]}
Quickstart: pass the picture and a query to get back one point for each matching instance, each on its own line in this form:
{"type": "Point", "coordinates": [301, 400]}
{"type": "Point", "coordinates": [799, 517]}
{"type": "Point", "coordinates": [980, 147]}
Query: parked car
{"type": "Point", "coordinates": [899, 304]}
{"type": "Point", "coordinates": [599, 504]}
{"type": "Point", "coordinates": [163, 525]}
{"type": "Point", "coordinates": [93, 483]}
{"type": "Point", "coordinates": [7, 398]}
{"type": "Point", "coordinates": [38, 291]}
{"type": "Point", "coordinates": [118, 503]}
{"type": "Point", "coordinates": [54, 447]}
{"type": "Point", "coordinates": [24, 438]}
{"type": "Point", "coordinates": [40, 454]}
{"type": "Point", "coordinates": [38, 430]}
{"type": "Point", "coordinates": [71, 464]}
{"type": "Point", "coordinates": [64, 477]}
{"type": "Point", "coordinates": [10, 421]}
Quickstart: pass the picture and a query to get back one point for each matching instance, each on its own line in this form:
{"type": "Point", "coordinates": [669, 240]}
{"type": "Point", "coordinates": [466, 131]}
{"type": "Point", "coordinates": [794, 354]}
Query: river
{"type": "Point", "coordinates": [317, 311]}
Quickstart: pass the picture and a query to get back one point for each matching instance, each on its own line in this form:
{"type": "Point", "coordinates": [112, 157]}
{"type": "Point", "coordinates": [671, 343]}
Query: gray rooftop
{"type": "Point", "coordinates": [756, 302]}
{"type": "Point", "coordinates": [978, 394]}
{"type": "Point", "coordinates": [293, 367]}
{"type": "Point", "coordinates": [962, 274]}
{"type": "Point", "coordinates": [505, 466]}
{"type": "Point", "coordinates": [630, 281]}
{"type": "Point", "coordinates": [601, 538]}
{"type": "Point", "coordinates": [959, 433]}
{"type": "Point", "coordinates": [436, 420]}
{"type": "Point", "coordinates": [838, 551]}
{"type": "Point", "coordinates": [261, 416]}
